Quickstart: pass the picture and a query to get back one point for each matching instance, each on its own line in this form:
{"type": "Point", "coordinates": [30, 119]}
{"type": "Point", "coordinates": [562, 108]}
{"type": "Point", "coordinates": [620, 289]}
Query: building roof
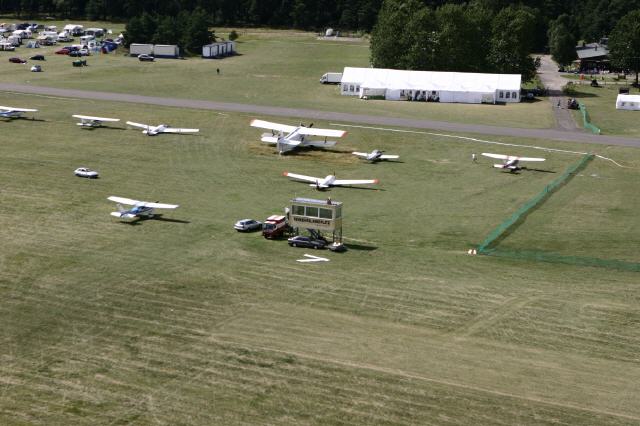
{"type": "Point", "coordinates": [380, 78]}
{"type": "Point", "coordinates": [592, 51]}
{"type": "Point", "coordinates": [314, 201]}
{"type": "Point", "coordinates": [628, 98]}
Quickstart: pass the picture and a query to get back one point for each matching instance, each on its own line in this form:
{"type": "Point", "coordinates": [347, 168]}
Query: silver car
{"type": "Point", "coordinates": [246, 225]}
{"type": "Point", "coordinates": [85, 172]}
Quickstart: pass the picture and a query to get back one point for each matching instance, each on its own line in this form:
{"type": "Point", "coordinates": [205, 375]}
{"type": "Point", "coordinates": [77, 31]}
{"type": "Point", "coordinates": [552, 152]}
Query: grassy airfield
{"type": "Point", "coordinates": [184, 321]}
{"type": "Point", "coordinates": [601, 105]}
{"type": "Point", "coordinates": [280, 68]}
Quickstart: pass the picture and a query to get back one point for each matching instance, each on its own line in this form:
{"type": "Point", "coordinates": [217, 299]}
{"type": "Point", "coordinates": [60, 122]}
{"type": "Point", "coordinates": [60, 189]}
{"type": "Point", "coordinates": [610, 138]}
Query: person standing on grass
{"type": "Point", "coordinates": [218, 71]}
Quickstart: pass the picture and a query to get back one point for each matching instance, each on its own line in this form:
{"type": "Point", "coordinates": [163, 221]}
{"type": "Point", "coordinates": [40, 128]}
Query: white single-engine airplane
{"type": "Point", "coordinates": [161, 128]}
{"type": "Point", "coordinates": [89, 122]}
{"type": "Point", "coordinates": [375, 155]}
{"type": "Point", "coordinates": [509, 162]}
{"type": "Point", "coordinates": [10, 112]}
{"type": "Point", "coordinates": [296, 136]}
{"type": "Point", "coordinates": [141, 209]}
{"type": "Point", "coordinates": [326, 182]}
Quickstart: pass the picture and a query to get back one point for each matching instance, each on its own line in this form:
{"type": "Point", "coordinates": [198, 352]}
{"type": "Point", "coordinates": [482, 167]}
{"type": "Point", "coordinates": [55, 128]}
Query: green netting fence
{"type": "Point", "coordinates": [507, 226]}
{"type": "Point", "coordinates": [586, 120]}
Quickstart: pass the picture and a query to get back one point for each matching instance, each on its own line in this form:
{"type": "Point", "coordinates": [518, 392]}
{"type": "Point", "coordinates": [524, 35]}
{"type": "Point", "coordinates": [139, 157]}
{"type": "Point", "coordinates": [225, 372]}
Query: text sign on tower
{"type": "Point", "coordinates": [323, 215]}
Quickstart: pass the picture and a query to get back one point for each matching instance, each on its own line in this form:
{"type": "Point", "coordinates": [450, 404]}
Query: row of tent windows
{"type": "Point", "coordinates": [313, 212]}
{"type": "Point", "coordinates": [350, 88]}
{"type": "Point", "coordinates": [502, 95]}
{"type": "Point", "coordinates": [631, 104]}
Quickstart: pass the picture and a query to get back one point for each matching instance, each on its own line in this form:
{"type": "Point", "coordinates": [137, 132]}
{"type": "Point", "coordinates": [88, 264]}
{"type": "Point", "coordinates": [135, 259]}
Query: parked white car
{"type": "Point", "coordinates": [87, 173]}
{"type": "Point", "coordinates": [247, 225]}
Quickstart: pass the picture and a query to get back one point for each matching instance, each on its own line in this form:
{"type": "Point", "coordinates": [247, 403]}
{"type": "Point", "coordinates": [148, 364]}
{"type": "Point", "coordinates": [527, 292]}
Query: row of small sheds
{"type": "Point", "coordinates": [219, 49]}
{"type": "Point", "coordinates": [213, 50]}
{"type": "Point", "coordinates": [157, 50]}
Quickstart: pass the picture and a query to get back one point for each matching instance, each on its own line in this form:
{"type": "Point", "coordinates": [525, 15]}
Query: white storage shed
{"type": "Point", "coordinates": [136, 49]}
{"type": "Point", "coordinates": [166, 51]}
{"type": "Point", "coordinates": [629, 102]}
{"type": "Point", "coordinates": [219, 49]}
{"type": "Point", "coordinates": [435, 86]}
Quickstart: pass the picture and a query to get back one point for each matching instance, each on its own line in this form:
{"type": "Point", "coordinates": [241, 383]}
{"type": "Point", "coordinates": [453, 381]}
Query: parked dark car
{"type": "Point", "coordinates": [16, 60]}
{"type": "Point", "coordinates": [37, 58]}
{"type": "Point", "coordinates": [308, 242]}
{"type": "Point", "coordinates": [63, 51]}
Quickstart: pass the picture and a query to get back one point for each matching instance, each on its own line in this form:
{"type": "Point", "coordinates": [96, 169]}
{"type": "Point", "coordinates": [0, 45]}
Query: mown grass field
{"type": "Point", "coordinates": [280, 68]}
{"type": "Point", "coordinates": [591, 217]}
{"type": "Point", "coordinates": [185, 321]}
{"type": "Point", "coordinates": [601, 105]}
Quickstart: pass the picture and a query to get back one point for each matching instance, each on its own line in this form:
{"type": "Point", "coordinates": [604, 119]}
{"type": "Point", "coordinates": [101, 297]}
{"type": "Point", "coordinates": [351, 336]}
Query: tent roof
{"type": "Point", "coordinates": [380, 78]}
{"type": "Point", "coordinates": [628, 98]}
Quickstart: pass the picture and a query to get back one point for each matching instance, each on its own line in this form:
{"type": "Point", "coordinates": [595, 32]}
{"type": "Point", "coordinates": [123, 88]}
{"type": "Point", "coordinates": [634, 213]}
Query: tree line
{"type": "Point", "coordinates": [359, 15]}
{"type": "Point", "coordinates": [589, 19]}
{"type": "Point", "coordinates": [469, 37]}
{"type": "Point", "coordinates": [464, 35]}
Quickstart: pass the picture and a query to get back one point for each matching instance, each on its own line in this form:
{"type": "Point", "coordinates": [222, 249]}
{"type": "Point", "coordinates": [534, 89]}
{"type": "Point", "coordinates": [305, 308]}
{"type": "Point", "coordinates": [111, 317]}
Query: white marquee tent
{"type": "Point", "coordinates": [430, 85]}
{"type": "Point", "coordinates": [631, 102]}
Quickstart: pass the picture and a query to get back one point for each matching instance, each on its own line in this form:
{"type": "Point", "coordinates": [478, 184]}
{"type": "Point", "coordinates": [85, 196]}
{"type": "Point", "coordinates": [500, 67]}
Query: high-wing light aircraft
{"type": "Point", "coordinates": [375, 155]}
{"type": "Point", "coordinates": [10, 112]}
{"type": "Point", "coordinates": [509, 162]}
{"type": "Point", "coordinates": [326, 182]}
{"type": "Point", "coordinates": [161, 128]}
{"type": "Point", "coordinates": [296, 136]}
{"type": "Point", "coordinates": [140, 208]}
{"type": "Point", "coordinates": [87, 121]}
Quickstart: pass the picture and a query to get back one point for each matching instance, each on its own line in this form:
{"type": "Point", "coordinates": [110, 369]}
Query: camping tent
{"type": "Point", "coordinates": [431, 85]}
{"type": "Point", "coordinates": [630, 102]}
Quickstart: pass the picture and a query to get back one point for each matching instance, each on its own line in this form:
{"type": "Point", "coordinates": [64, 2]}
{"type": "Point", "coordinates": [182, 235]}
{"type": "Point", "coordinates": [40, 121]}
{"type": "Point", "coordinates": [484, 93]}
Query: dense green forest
{"type": "Point", "coordinates": [589, 19]}
{"type": "Point", "coordinates": [473, 35]}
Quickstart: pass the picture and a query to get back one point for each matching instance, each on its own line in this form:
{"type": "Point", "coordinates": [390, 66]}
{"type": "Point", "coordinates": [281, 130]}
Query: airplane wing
{"type": "Point", "coordinates": [127, 201]}
{"type": "Point", "coordinates": [302, 177]}
{"type": "Point", "coordinates": [389, 157]}
{"type": "Point", "coordinates": [176, 130]}
{"type": "Point", "coordinates": [88, 117]}
{"type": "Point", "coordinates": [123, 215]}
{"type": "Point", "coordinates": [530, 159]}
{"type": "Point", "coordinates": [354, 181]}
{"type": "Point", "coordinates": [272, 126]}
{"type": "Point", "coordinates": [511, 157]}
{"type": "Point", "coordinates": [160, 205]}
{"type": "Point", "coordinates": [312, 131]}
{"type": "Point", "coordinates": [4, 108]}
{"type": "Point", "coordinates": [360, 154]}
{"type": "Point", "coordinates": [498, 156]}
{"type": "Point", "coordinates": [142, 126]}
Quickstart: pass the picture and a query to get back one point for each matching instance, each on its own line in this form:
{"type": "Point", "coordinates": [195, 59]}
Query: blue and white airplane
{"type": "Point", "coordinates": [10, 112]}
{"type": "Point", "coordinates": [375, 155]}
{"type": "Point", "coordinates": [140, 209]}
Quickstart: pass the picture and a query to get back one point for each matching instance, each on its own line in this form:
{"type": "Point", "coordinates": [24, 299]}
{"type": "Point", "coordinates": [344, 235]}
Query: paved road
{"type": "Point", "coordinates": [554, 81]}
{"type": "Point", "coordinates": [560, 135]}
